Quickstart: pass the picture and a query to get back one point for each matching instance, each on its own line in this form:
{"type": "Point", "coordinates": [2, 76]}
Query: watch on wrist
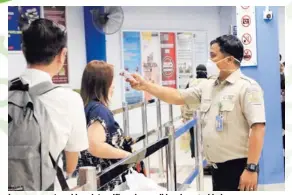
{"type": "Point", "coordinates": [252, 168]}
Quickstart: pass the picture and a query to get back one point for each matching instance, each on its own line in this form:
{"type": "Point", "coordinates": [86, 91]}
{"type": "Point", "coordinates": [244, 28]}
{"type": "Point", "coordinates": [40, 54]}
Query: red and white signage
{"type": "Point", "coordinates": [246, 32]}
{"type": "Point", "coordinates": [245, 21]}
{"type": "Point", "coordinates": [246, 39]}
{"type": "Point", "coordinates": [247, 55]}
{"type": "Point", "coordinates": [168, 59]}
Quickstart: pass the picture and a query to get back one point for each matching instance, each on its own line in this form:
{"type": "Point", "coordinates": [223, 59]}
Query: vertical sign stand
{"type": "Point", "coordinates": [246, 32]}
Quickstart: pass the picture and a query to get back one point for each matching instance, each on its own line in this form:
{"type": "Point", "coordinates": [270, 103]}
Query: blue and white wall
{"type": "Point", "coordinates": [270, 42]}
{"type": "Point", "coordinates": [228, 17]}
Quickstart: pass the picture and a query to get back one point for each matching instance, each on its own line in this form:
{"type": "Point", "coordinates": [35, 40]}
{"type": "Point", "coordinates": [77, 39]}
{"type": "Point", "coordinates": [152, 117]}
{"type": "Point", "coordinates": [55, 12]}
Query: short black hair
{"type": "Point", "coordinates": [230, 45]}
{"type": "Point", "coordinates": [42, 41]}
{"type": "Point", "coordinates": [280, 56]}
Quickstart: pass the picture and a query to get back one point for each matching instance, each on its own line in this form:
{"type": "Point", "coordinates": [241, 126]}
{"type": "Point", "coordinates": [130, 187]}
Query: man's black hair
{"type": "Point", "coordinates": [230, 45]}
{"type": "Point", "coordinates": [42, 41]}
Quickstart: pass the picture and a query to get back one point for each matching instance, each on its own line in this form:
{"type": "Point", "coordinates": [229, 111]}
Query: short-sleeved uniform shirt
{"type": "Point", "coordinates": [239, 100]}
{"type": "Point", "coordinates": [188, 110]}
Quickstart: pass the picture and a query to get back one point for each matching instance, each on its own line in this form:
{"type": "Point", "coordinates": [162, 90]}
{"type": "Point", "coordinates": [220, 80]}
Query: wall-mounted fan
{"type": "Point", "coordinates": [108, 20]}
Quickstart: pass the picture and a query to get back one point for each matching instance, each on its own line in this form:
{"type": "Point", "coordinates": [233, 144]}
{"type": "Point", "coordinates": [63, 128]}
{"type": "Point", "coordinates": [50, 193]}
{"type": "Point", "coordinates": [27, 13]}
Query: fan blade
{"type": "Point", "coordinates": [115, 18]}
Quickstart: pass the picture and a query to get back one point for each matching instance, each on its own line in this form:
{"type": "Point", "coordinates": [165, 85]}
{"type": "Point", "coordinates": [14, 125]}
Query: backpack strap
{"type": "Point", "coordinates": [42, 88]}
{"type": "Point", "coordinates": [60, 175]}
{"type": "Point", "coordinates": [17, 84]}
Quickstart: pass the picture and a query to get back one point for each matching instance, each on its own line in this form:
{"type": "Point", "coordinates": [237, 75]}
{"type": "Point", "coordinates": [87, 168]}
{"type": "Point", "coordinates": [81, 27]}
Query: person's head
{"type": "Point", "coordinates": [44, 45]}
{"type": "Point", "coordinates": [226, 52]}
{"type": "Point", "coordinates": [201, 71]}
{"type": "Point", "coordinates": [97, 82]}
{"type": "Point", "coordinates": [282, 67]}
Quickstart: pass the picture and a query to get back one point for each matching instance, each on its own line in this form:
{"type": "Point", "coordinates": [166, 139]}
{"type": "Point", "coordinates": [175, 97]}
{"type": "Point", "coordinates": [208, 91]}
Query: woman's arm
{"type": "Point", "coordinates": [99, 148]}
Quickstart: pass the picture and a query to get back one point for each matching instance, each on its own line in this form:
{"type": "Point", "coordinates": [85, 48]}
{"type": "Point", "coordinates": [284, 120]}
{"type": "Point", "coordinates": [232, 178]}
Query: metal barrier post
{"type": "Point", "coordinates": [170, 113]}
{"type": "Point", "coordinates": [145, 132]}
{"type": "Point", "coordinates": [199, 153]}
{"type": "Point", "coordinates": [171, 159]}
{"type": "Point", "coordinates": [126, 119]}
{"type": "Point", "coordinates": [159, 127]}
{"type": "Point", "coordinates": [87, 178]}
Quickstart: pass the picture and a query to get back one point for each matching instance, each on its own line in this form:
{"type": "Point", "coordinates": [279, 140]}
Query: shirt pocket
{"type": "Point", "coordinates": [227, 106]}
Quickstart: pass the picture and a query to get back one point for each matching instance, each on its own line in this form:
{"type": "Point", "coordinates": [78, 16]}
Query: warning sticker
{"type": "Point", "coordinates": [247, 55]}
{"type": "Point", "coordinates": [246, 39]}
{"type": "Point", "coordinates": [245, 21]}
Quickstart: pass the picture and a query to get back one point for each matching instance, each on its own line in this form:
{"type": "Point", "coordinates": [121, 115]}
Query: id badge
{"type": "Point", "coordinates": [219, 123]}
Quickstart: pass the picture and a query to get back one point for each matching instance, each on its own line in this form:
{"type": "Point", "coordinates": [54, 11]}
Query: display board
{"type": "Point", "coordinates": [246, 32]}
{"type": "Point", "coordinates": [18, 17]}
{"type": "Point", "coordinates": [132, 63]}
{"type": "Point", "coordinates": [184, 57]}
{"type": "Point", "coordinates": [151, 62]}
{"type": "Point", "coordinates": [58, 15]}
{"type": "Point", "coordinates": [168, 58]}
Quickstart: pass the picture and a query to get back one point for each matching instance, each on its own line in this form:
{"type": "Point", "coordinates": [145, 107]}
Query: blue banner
{"type": "Point", "coordinates": [95, 39]}
{"type": "Point", "coordinates": [132, 63]}
{"type": "Point", "coordinates": [18, 17]}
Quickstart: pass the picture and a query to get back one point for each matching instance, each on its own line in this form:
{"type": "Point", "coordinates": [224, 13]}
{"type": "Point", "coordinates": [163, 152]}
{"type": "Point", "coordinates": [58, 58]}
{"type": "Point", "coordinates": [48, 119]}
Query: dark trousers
{"type": "Point", "coordinates": [283, 120]}
{"type": "Point", "coordinates": [192, 146]}
{"type": "Point", "coordinates": [226, 176]}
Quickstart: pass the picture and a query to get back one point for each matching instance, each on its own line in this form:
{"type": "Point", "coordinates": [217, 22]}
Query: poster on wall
{"type": "Point", "coordinates": [151, 59]}
{"type": "Point", "coordinates": [201, 54]}
{"type": "Point", "coordinates": [184, 58]}
{"type": "Point", "coordinates": [58, 15]}
{"type": "Point", "coordinates": [168, 59]}
{"type": "Point", "coordinates": [246, 32]}
{"type": "Point", "coordinates": [132, 64]}
{"type": "Point", "coordinates": [18, 17]}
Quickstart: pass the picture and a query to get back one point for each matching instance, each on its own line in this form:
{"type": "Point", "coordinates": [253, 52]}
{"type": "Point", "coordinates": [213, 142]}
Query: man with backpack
{"type": "Point", "coordinates": [44, 120]}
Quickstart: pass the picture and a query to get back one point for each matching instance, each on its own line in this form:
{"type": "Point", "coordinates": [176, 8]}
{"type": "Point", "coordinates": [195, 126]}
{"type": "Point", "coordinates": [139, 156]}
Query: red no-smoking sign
{"type": "Point", "coordinates": [246, 39]}
{"type": "Point", "coordinates": [245, 21]}
{"type": "Point", "coordinates": [247, 55]}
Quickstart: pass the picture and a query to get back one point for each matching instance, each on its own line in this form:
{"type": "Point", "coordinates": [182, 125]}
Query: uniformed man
{"type": "Point", "coordinates": [232, 116]}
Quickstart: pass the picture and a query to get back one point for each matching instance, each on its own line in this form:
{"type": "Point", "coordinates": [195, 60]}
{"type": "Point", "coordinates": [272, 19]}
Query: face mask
{"type": "Point", "coordinates": [223, 70]}
{"type": "Point", "coordinates": [212, 68]}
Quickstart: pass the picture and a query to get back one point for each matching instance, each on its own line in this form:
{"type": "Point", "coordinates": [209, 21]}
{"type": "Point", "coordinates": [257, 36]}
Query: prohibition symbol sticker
{"type": "Point", "coordinates": [245, 7]}
{"type": "Point", "coordinates": [247, 55]}
{"type": "Point", "coordinates": [245, 21]}
{"type": "Point", "coordinates": [246, 39]}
